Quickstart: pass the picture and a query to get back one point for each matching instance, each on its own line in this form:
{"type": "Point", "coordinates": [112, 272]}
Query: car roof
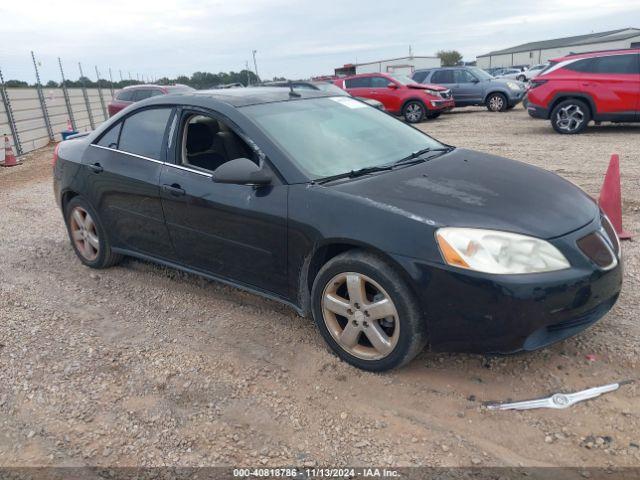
{"type": "Point", "coordinates": [241, 97]}
{"type": "Point", "coordinates": [598, 53]}
{"type": "Point", "coordinates": [370, 74]}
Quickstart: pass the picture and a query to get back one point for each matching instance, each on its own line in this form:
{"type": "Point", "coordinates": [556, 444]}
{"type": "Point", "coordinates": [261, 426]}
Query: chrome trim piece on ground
{"type": "Point", "coordinates": [557, 400]}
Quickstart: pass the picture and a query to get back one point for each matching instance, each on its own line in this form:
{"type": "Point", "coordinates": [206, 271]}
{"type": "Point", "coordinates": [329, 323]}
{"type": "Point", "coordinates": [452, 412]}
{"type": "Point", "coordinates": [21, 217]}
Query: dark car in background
{"type": "Point", "coordinates": [324, 86]}
{"type": "Point", "coordinates": [400, 95]}
{"type": "Point", "coordinates": [474, 86]}
{"type": "Point", "coordinates": [389, 238]}
{"type": "Point", "coordinates": [135, 93]}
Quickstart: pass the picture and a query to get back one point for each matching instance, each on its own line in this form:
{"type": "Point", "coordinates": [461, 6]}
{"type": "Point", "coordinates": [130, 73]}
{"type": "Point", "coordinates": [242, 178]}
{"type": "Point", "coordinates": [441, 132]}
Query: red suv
{"type": "Point", "coordinates": [600, 86]}
{"type": "Point", "coordinates": [400, 95]}
{"type": "Point", "coordinates": [135, 93]}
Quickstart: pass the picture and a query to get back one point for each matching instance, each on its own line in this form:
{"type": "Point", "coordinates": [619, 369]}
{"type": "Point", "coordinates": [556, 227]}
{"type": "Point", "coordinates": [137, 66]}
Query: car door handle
{"type": "Point", "coordinates": [96, 168]}
{"type": "Point", "coordinates": [175, 190]}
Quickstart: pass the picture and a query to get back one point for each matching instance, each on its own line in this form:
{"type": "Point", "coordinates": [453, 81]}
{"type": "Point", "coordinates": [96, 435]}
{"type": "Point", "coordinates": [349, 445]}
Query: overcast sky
{"type": "Point", "coordinates": [293, 39]}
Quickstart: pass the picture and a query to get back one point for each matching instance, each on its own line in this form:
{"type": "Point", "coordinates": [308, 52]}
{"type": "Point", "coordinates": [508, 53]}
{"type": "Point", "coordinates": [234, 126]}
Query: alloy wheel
{"type": "Point", "coordinates": [84, 234]}
{"type": "Point", "coordinates": [413, 112]}
{"type": "Point", "coordinates": [360, 316]}
{"type": "Point", "coordinates": [496, 103]}
{"type": "Point", "coordinates": [570, 118]}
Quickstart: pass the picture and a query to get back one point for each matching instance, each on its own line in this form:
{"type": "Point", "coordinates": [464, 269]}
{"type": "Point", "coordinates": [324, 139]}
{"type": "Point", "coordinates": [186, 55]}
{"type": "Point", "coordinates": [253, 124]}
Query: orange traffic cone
{"type": "Point", "coordinates": [9, 157]}
{"type": "Point", "coordinates": [610, 200]}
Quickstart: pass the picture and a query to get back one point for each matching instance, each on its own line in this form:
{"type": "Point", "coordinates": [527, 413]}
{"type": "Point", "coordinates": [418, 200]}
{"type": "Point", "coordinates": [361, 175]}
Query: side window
{"type": "Point", "coordinates": [442, 76]}
{"type": "Point", "coordinates": [462, 76]}
{"type": "Point", "coordinates": [616, 64]}
{"type": "Point", "coordinates": [379, 82]}
{"type": "Point", "coordinates": [141, 94]}
{"type": "Point", "coordinates": [207, 143]}
{"type": "Point", "coordinates": [584, 65]}
{"type": "Point", "coordinates": [143, 132]}
{"type": "Point", "coordinates": [110, 139]}
{"type": "Point", "coordinates": [420, 76]}
{"type": "Point", "coordinates": [125, 95]}
{"type": "Point", "coordinates": [155, 92]}
{"type": "Point", "coordinates": [362, 82]}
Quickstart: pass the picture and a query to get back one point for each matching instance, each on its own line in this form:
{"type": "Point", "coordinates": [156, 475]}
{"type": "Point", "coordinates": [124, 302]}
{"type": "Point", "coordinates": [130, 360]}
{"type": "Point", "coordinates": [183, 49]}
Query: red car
{"type": "Point", "coordinates": [400, 95]}
{"type": "Point", "coordinates": [135, 93]}
{"type": "Point", "coordinates": [600, 86]}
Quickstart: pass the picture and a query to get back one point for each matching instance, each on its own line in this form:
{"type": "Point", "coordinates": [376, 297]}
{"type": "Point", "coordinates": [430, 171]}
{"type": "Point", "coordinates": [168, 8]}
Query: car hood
{"type": "Point", "coordinates": [472, 189]}
{"type": "Point", "coordinates": [427, 86]}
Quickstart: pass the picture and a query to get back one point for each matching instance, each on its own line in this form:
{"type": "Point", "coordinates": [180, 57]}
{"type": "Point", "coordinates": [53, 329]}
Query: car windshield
{"type": "Point", "coordinates": [481, 74]}
{"type": "Point", "coordinates": [403, 79]}
{"type": "Point", "coordinates": [334, 135]}
{"type": "Point", "coordinates": [330, 87]}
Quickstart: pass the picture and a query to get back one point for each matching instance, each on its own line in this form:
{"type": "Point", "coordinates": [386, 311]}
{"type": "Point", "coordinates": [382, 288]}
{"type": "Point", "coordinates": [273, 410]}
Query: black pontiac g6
{"type": "Point", "coordinates": [389, 238]}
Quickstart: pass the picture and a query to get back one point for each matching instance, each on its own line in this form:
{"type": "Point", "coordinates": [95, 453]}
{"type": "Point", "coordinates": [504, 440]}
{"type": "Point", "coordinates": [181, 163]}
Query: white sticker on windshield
{"type": "Point", "coordinates": [349, 102]}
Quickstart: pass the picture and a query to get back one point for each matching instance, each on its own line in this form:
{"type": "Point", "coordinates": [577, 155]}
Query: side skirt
{"type": "Point", "coordinates": [231, 283]}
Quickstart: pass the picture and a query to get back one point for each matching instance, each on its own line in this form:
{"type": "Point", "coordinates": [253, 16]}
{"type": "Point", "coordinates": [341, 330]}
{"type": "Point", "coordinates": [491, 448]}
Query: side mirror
{"type": "Point", "coordinates": [241, 171]}
{"type": "Point", "coordinates": [392, 86]}
{"type": "Point", "coordinates": [475, 80]}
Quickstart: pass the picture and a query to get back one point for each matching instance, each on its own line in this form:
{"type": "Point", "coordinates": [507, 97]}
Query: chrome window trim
{"type": "Point", "coordinates": [204, 174]}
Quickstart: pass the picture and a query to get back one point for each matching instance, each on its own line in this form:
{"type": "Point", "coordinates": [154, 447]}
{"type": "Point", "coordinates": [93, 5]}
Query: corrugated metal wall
{"type": "Point", "coordinates": [29, 118]}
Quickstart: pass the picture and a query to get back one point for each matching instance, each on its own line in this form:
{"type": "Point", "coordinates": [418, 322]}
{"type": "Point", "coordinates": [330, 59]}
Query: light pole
{"type": "Point", "coordinates": [255, 64]}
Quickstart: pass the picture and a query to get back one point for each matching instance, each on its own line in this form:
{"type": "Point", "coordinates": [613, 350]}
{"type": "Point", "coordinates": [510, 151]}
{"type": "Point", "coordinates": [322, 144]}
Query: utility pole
{"type": "Point", "coordinates": [246, 67]}
{"type": "Point", "coordinates": [255, 64]}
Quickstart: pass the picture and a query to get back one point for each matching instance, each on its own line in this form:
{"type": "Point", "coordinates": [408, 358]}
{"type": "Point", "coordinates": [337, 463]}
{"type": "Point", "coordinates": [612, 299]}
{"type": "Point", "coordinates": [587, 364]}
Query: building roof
{"type": "Point", "coordinates": [610, 36]}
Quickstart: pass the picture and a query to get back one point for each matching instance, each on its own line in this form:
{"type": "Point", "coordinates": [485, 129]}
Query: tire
{"type": "Point", "coordinates": [521, 78]}
{"type": "Point", "coordinates": [414, 111]}
{"type": "Point", "coordinates": [88, 238]}
{"type": "Point", "coordinates": [433, 115]}
{"type": "Point", "coordinates": [397, 337]}
{"type": "Point", "coordinates": [570, 116]}
{"type": "Point", "coordinates": [496, 102]}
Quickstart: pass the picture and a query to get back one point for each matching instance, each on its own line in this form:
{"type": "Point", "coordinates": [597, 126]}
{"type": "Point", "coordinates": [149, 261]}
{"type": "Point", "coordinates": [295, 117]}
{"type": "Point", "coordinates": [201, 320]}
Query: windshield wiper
{"type": "Point", "coordinates": [415, 156]}
{"type": "Point", "coordinates": [353, 173]}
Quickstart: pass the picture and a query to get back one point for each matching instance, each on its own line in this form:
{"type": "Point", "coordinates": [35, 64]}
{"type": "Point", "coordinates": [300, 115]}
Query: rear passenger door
{"type": "Point", "coordinates": [358, 87]}
{"type": "Point", "coordinates": [122, 172]}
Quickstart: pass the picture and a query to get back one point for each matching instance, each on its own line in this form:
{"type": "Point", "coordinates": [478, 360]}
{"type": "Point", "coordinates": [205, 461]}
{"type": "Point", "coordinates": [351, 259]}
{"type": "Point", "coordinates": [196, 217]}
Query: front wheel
{"type": "Point", "coordinates": [413, 111]}
{"type": "Point", "coordinates": [521, 78]}
{"type": "Point", "coordinates": [366, 312]}
{"type": "Point", "coordinates": [497, 102]}
{"type": "Point", "coordinates": [570, 116]}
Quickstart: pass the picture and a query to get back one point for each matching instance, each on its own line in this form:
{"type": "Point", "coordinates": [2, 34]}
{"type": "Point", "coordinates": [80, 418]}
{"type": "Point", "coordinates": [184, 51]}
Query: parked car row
{"type": "Point", "coordinates": [569, 91]}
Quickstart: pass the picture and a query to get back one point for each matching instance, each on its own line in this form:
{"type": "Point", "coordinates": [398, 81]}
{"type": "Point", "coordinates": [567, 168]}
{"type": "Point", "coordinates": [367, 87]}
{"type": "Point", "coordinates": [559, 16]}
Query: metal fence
{"type": "Point", "coordinates": [32, 120]}
{"type": "Point", "coordinates": [33, 117]}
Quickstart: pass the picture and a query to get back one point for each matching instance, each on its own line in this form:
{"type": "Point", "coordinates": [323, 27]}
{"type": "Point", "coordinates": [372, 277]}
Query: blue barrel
{"type": "Point", "coordinates": [67, 133]}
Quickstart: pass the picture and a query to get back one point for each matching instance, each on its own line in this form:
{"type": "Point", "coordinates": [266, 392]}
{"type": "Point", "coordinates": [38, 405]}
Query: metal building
{"type": "Point", "coordinates": [539, 52]}
{"type": "Point", "coordinates": [402, 65]}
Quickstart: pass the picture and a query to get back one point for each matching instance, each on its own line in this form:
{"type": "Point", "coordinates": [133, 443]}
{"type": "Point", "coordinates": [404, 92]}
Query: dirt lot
{"type": "Point", "coordinates": [144, 365]}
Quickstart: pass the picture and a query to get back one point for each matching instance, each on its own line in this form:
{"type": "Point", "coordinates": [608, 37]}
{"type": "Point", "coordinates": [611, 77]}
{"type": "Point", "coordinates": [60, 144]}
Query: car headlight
{"type": "Point", "coordinates": [432, 92]}
{"type": "Point", "coordinates": [513, 86]}
{"type": "Point", "coordinates": [492, 251]}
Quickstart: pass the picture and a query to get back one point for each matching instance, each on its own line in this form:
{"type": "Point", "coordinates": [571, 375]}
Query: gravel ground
{"type": "Point", "coordinates": [143, 365]}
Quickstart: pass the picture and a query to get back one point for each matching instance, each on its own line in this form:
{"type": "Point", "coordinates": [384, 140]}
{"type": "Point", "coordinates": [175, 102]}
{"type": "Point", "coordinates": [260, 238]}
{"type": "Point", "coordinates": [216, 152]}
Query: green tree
{"type": "Point", "coordinates": [449, 58]}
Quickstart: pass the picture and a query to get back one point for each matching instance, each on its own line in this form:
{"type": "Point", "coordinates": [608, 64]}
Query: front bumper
{"type": "Point", "coordinates": [444, 104]}
{"type": "Point", "coordinates": [474, 312]}
{"type": "Point", "coordinates": [515, 97]}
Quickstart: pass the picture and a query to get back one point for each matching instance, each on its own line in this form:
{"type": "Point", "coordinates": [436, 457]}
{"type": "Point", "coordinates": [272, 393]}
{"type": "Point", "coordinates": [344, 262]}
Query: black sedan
{"type": "Point", "coordinates": [389, 238]}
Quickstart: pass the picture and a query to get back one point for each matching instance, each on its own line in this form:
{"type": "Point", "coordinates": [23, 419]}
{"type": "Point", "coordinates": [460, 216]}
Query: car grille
{"type": "Point", "coordinates": [585, 319]}
{"type": "Point", "coordinates": [446, 94]}
{"type": "Point", "coordinates": [597, 249]}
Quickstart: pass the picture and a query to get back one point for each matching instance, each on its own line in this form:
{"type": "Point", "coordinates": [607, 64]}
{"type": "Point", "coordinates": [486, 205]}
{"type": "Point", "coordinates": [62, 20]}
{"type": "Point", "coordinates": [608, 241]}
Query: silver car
{"type": "Point", "coordinates": [474, 86]}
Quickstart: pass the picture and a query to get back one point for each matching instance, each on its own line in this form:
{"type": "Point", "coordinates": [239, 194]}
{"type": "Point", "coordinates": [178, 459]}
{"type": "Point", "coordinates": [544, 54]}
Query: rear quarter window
{"type": "Point", "coordinates": [125, 95]}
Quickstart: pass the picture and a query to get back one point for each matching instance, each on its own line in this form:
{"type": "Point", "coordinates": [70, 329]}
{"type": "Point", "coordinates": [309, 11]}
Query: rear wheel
{"type": "Point", "coordinates": [570, 116]}
{"type": "Point", "coordinates": [413, 111]}
{"type": "Point", "coordinates": [496, 102]}
{"type": "Point", "coordinates": [87, 236]}
{"type": "Point", "coordinates": [366, 312]}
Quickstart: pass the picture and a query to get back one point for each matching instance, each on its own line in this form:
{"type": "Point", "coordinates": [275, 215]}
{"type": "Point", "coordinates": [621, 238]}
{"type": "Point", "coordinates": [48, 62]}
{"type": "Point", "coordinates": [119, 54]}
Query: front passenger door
{"type": "Point", "coordinates": [468, 87]}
